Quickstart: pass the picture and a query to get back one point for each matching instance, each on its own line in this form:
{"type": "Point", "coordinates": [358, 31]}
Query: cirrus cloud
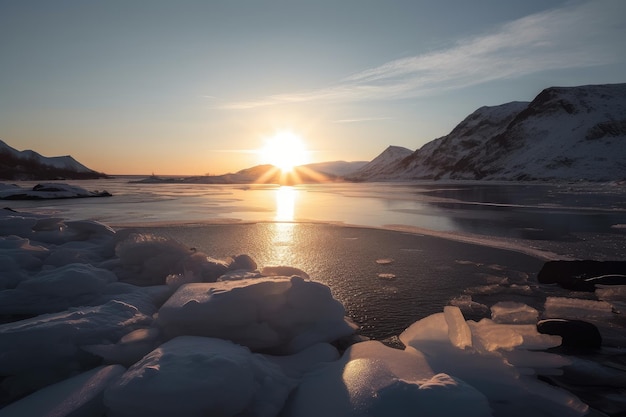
{"type": "Point", "coordinates": [576, 36]}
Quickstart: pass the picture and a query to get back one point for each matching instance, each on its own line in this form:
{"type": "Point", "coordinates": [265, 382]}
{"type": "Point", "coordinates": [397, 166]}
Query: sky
{"type": "Point", "coordinates": [198, 87]}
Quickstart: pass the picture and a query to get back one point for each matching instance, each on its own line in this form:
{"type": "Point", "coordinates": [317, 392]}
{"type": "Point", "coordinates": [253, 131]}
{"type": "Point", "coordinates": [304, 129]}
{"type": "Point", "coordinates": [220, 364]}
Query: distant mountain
{"type": "Point", "coordinates": [269, 174]}
{"type": "Point", "coordinates": [565, 133]}
{"type": "Point", "coordinates": [378, 166]}
{"type": "Point", "coordinates": [440, 158]}
{"type": "Point", "coordinates": [260, 174]}
{"type": "Point", "coordinates": [29, 165]}
{"type": "Point", "coordinates": [336, 168]}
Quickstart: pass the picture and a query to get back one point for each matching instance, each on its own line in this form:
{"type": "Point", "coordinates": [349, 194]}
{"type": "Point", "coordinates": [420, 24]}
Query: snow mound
{"type": "Point", "coordinates": [146, 259]}
{"type": "Point", "coordinates": [484, 364]}
{"type": "Point", "coordinates": [61, 335]}
{"type": "Point", "coordinates": [277, 314]}
{"type": "Point", "coordinates": [258, 342]}
{"type": "Point", "coordinates": [47, 191]}
{"type": "Point", "coordinates": [374, 380]}
{"type": "Point", "coordinates": [55, 290]}
{"type": "Point", "coordinates": [69, 280]}
{"type": "Point", "coordinates": [199, 376]}
{"type": "Point", "coordinates": [80, 395]}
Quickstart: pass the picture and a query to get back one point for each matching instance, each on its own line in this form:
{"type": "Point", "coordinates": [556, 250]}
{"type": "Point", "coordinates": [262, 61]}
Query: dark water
{"type": "Point", "coordinates": [531, 211]}
{"type": "Point", "coordinates": [428, 271]}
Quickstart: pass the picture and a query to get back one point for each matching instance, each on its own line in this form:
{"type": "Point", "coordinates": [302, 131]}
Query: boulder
{"type": "Point", "coordinates": [583, 275]}
{"type": "Point", "coordinates": [575, 333]}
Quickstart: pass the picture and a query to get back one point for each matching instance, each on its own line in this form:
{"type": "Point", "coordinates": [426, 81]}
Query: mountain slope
{"type": "Point", "coordinates": [378, 167]}
{"type": "Point", "coordinates": [565, 133]}
{"type": "Point", "coordinates": [336, 168]}
{"type": "Point", "coordinates": [30, 165]}
{"type": "Point", "coordinates": [259, 174]}
{"type": "Point", "coordinates": [444, 157]}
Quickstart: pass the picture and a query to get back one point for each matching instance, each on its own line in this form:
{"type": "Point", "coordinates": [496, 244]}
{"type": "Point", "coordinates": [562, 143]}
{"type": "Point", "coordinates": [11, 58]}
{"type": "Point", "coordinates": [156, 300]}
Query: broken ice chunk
{"type": "Point", "coordinates": [573, 308]}
{"type": "Point", "coordinates": [511, 312]}
{"type": "Point", "coordinates": [458, 330]}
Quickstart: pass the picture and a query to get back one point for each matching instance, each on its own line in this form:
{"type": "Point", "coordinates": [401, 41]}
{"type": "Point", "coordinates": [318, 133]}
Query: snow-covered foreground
{"type": "Point", "coordinates": [119, 323]}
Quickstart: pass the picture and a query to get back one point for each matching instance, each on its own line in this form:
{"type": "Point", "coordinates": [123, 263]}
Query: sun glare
{"type": "Point", "coordinates": [285, 150]}
{"type": "Point", "coordinates": [285, 203]}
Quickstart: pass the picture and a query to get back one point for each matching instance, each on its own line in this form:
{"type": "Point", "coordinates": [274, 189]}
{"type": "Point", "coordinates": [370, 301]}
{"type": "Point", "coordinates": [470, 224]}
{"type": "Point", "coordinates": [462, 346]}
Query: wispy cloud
{"type": "Point", "coordinates": [577, 36]}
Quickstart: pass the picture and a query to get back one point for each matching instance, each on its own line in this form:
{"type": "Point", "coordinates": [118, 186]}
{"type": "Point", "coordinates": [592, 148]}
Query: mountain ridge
{"type": "Point", "coordinates": [564, 133]}
{"type": "Point", "coordinates": [377, 166]}
{"type": "Point", "coordinates": [336, 168]}
{"type": "Point", "coordinates": [30, 165]}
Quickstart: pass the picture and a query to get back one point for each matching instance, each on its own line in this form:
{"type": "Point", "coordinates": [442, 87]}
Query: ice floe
{"type": "Point", "coordinates": [121, 323]}
{"type": "Point", "coordinates": [47, 191]}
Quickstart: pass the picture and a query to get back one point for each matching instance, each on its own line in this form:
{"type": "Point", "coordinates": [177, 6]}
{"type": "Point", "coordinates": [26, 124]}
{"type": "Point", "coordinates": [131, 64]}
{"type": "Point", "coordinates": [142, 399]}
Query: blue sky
{"type": "Point", "coordinates": [194, 87]}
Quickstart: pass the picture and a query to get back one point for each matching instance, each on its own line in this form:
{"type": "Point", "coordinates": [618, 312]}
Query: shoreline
{"type": "Point", "coordinates": [548, 221]}
{"type": "Point", "coordinates": [474, 239]}
{"type": "Point", "coordinates": [387, 280]}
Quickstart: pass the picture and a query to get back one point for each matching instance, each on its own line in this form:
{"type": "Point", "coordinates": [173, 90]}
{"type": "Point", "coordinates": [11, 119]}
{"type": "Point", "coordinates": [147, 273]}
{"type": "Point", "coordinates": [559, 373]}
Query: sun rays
{"type": "Point", "coordinates": [287, 153]}
{"type": "Point", "coordinates": [285, 150]}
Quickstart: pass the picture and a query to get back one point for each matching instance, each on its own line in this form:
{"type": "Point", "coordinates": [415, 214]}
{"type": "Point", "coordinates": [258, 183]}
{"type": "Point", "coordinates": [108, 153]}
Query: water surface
{"type": "Point", "coordinates": [386, 280]}
{"type": "Point", "coordinates": [444, 252]}
{"type": "Point", "coordinates": [566, 220]}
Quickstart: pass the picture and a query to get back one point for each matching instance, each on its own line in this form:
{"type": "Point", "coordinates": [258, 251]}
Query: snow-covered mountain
{"type": "Point", "coordinates": [28, 164]}
{"type": "Point", "coordinates": [336, 168]}
{"type": "Point", "coordinates": [259, 174]}
{"type": "Point", "coordinates": [565, 133]}
{"type": "Point", "coordinates": [377, 167]}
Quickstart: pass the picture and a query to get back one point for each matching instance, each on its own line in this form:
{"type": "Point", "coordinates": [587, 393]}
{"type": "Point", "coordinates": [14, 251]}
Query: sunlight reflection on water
{"type": "Point", "coordinates": [283, 226]}
{"type": "Point", "coordinates": [558, 217]}
{"type": "Point", "coordinates": [285, 203]}
{"type": "Point", "coordinates": [282, 250]}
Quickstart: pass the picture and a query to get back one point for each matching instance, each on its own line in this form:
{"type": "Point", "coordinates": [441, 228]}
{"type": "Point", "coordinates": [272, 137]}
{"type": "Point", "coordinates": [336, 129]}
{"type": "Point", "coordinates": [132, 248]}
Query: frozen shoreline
{"type": "Point", "coordinates": [52, 253]}
{"type": "Point", "coordinates": [564, 221]}
{"type": "Point", "coordinates": [75, 278]}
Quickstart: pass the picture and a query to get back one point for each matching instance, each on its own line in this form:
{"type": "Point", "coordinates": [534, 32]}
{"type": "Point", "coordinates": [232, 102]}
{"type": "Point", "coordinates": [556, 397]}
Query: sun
{"type": "Point", "coordinates": [285, 150]}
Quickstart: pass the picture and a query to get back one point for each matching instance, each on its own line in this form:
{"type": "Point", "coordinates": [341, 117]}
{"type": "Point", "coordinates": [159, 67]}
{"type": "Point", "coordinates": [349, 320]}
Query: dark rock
{"type": "Point", "coordinates": [583, 275]}
{"type": "Point", "coordinates": [243, 262]}
{"type": "Point", "coordinates": [610, 128]}
{"type": "Point", "coordinates": [575, 333]}
{"type": "Point", "coordinates": [48, 187]}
